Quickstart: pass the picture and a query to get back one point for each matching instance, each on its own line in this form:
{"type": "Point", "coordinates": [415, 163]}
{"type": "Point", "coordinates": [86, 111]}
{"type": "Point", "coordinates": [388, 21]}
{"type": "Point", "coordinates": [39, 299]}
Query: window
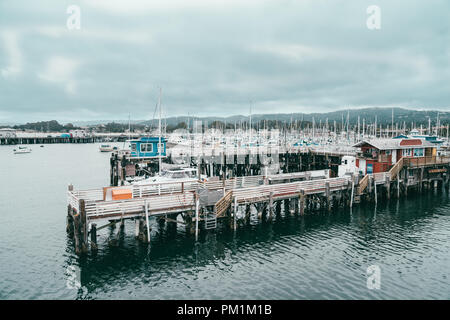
{"type": "Point", "coordinates": [388, 152]}
{"type": "Point", "coordinates": [133, 147]}
{"type": "Point", "coordinates": [161, 147]}
{"type": "Point", "coordinates": [146, 147]}
{"type": "Point", "coordinates": [418, 152]}
{"type": "Point", "coordinates": [407, 152]}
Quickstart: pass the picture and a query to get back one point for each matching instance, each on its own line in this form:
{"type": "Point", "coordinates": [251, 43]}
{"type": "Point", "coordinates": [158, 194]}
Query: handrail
{"type": "Point", "coordinates": [363, 184]}
{"type": "Point", "coordinates": [222, 205]}
{"type": "Point", "coordinates": [396, 168]}
{"type": "Point", "coordinates": [423, 161]}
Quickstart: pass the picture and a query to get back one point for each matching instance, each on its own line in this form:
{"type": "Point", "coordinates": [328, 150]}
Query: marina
{"type": "Point", "coordinates": [234, 189]}
{"type": "Point", "coordinates": [220, 156]}
{"type": "Point", "coordinates": [408, 235]}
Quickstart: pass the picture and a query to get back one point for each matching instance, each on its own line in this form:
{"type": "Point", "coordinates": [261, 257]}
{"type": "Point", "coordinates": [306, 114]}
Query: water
{"type": "Point", "coordinates": [320, 256]}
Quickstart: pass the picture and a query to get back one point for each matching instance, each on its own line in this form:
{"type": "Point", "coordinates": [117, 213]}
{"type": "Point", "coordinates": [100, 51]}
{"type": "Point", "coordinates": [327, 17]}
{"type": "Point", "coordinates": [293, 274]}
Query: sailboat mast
{"type": "Point", "coordinates": [160, 131]}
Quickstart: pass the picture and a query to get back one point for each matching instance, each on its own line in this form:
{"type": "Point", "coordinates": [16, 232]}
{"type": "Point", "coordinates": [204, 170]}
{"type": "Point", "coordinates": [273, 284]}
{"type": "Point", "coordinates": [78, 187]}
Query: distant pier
{"type": "Point", "coordinates": [30, 139]}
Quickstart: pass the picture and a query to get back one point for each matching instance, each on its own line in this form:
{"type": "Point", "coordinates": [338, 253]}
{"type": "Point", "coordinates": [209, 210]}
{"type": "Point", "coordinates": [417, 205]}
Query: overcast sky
{"type": "Point", "coordinates": [216, 57]}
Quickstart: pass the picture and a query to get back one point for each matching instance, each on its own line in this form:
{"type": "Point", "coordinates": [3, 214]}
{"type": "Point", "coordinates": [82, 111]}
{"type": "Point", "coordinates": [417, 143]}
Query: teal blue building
{"type": "Point", "coordinates": [147, 147]}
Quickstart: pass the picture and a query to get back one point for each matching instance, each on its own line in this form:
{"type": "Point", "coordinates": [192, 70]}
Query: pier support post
{"type": "Point", "coordinates": [141, 235]}
{"type": "Point", "coordinates": [388, 187]}
{"type": "Point", "coordinates": [94, 246]}
{"type": "Point", "coordinates": [83, 227]}
{"type": "Point", "coordinates": [136, 227]}
{"type": "Point", "coordinates": [197, 209]}
{"type": "Point", "coordinates": [146, 222]}
{"type": "Point", "coordinates": [270, 205]}
{"type": "Point", "coordinates": [398, 187]}
{"type": "Point", "coordinates": [375, 190]}
{"type": "Point", "coordinates": [327, 195]}
{"type": "Point", "coordinates": [352, 192]}
{"type": "Point", "coordinates": [421, 179]}
{"type": "Point", "coordinates": [235, 210]}
{"type": "Point", "coordinates": [77, 233]}
{"type": "Point", "coordinates": [278, 207]}
{"type": "Point", "coordinates": [259, 210]}
{"type": "Point", "coordinates": [69, 227]}
{"type": "Point", "coordinates": [302, 202]}
{"type": "Point", "coordinates": [287, 206]}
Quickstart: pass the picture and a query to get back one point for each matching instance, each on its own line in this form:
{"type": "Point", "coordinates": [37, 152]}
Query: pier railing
{"type": "Point", "coordinates": [396, 169]}
{"type": "Point", "coordinates": [424, 161]}
{"type": "Point", "coordinates": [289, 190]}
{"type": "Point", "coordinates": [172, 197]}
{"type": "Point", "coordinates": [134, 207]}
{"type": "Point", "coordinates": [363, 184]}
{"type": "Point", "coordinates": [223, 204]}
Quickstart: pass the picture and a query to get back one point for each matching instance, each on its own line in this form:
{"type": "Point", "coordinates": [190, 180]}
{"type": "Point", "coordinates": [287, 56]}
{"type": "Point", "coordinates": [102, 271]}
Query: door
{"type": "Point", "coordinates": [394, 156]}
{"type": "Point", "coordinates": [362, 166]}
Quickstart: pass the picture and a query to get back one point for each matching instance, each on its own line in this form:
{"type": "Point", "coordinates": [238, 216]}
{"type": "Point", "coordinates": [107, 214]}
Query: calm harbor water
{"type": "Point", "coordinates": [320, 256]}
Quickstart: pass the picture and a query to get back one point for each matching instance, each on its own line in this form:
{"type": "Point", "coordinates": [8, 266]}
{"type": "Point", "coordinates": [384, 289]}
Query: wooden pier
{"type": "Point", "coordinates": [408, 173]}
{"type": "Point", "coordinates": [51, 139]}
{"type": "Point", "coordinates": [201, 204]}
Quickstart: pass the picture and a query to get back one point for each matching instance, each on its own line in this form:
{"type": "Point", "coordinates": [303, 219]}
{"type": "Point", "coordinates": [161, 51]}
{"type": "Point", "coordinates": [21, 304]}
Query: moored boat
{"type": "Point", "coordinates": [20, 150]}
{"type": "Point", "coordinates": [106, 148]}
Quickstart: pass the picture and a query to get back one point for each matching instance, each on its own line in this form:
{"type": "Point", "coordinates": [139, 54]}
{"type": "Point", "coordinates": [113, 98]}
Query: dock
{"type": "Point", "coordinates": [202, 204]}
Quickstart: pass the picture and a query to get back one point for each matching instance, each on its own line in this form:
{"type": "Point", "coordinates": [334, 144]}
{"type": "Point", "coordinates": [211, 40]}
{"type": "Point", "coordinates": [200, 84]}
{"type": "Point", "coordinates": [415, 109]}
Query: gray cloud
{"type": "Point", "coordinates": [214, 58]}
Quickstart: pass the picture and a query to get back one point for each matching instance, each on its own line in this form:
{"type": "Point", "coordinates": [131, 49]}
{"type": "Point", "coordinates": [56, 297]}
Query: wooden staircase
{"type": "Point", "coordinates": [363, 184]}
{"type": "Point", "coordinates": [392, 174]}
{"type": "Point", "coordinates": [223, 204]}
{"type": "Point", "coordinates": [396, 169]}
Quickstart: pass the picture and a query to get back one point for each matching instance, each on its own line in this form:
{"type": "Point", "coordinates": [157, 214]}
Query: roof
{"type": "Point", "coordinates": [390, 144]}
{"type": "Point", "coordinates": [149, 139]}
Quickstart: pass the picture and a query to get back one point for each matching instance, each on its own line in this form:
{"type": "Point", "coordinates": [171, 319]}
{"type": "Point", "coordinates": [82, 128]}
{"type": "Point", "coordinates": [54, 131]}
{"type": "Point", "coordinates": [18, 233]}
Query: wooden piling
{"type": "Point", "coordinates": [235, 210]}
{"type": "Point", "coordinates": [302, 202]}
{"type": "Point", "coordinates": [197, 209]}
{"type": "Point", "coordinates": [270, 205]}
{"type": "Point", "coordinates": [83, 227]}
{"type": "Point", "coordinates": [327, 195]}
{"type": "Point", "coordinates": [388, 186]}
{"type": "Point", "coordinates": [94, 246]}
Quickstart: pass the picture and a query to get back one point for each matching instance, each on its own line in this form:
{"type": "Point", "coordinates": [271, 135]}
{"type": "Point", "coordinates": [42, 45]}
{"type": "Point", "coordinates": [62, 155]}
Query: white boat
{"type": "Point", "coordinates": [22, 150]}
{"type": "Point", "coordinates": [187, 175]}
{"type": "Point", "coordinates": [106, 148]}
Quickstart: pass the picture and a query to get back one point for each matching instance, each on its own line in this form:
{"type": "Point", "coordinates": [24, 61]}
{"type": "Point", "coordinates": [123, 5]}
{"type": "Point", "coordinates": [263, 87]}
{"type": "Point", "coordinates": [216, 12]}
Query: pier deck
{"type": "Point", "coordinates": [206, 202]}
{"type": "Point", "coordinates": [196, 201]}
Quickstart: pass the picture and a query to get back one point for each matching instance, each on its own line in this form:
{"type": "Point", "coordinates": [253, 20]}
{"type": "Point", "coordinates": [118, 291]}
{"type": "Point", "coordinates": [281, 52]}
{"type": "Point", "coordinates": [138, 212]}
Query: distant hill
{"type": "Point", "coordinates": [383, 115]}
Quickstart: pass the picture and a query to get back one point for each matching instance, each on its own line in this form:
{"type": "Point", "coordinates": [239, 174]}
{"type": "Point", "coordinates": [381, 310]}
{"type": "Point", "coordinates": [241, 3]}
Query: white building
{"type": "Point", "coordinates": [8, 133]}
